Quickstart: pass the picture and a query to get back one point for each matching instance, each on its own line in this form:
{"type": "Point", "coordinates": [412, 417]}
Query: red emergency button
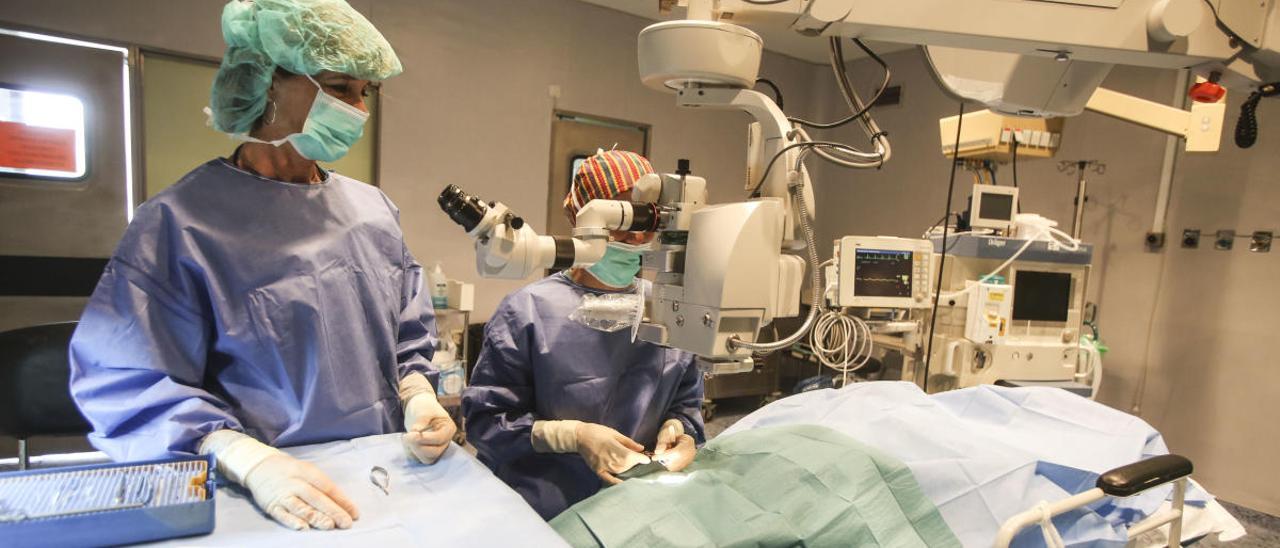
{"type": "Point", "coordinates": [1207, 92]}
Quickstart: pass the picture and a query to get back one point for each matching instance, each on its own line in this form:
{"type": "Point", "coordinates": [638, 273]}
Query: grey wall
{"type": "Point", "coordinates": [473, 107]}
{"type": "Point", "coordinates": [1200, 318]}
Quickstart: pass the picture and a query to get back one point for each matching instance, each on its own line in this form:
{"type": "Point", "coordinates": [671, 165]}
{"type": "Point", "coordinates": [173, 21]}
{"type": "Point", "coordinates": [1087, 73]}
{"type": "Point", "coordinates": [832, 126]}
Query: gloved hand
{"type": "Point", "coordinates": [428, 427]}
{"type": "Point", "coordinates": [674, 449]}
{"type": "Point", "coordinates": [606, 451]}
{"type": "Point", "coordinates": [291, 491]}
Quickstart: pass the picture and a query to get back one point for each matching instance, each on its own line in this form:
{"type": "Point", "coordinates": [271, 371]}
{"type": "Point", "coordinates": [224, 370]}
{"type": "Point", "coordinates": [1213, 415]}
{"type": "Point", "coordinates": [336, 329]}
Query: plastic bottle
{"type": "Point", "coordinates": [439, 286]}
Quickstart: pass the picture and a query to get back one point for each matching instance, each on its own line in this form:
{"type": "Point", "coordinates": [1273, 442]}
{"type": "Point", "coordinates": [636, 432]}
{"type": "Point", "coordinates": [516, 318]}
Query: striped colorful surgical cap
{"type": "Point", "coordinates": [603, 176]}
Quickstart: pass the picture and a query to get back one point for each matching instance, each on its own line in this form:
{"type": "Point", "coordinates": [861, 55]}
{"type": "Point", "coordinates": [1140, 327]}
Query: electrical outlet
{"type": "Point", "coordinates": [1155, 241]}
{"type": "Point", "coordinates": [1191, 238]}
{"type": "Point", "coordinates": [1261, 242]}
{"type": "Point", "coordinates": [1225, 241]}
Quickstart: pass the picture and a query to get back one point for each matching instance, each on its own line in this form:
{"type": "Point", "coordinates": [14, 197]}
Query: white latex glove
{"type": "Point", "coordinates": [674, 449]}
{"type": "Point", "coordinates": [291, 491]}
{"type": "Point", "coordinates": [428, 427]}
{"type": "Point", "coordinates": [606, 451]}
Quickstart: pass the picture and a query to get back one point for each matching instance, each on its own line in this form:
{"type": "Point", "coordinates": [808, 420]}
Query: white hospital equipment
{"type": "Point", "coordinates": [993, 207]}
{"type": "Point", "coordinates": [988, 135]}
{"type": "Point", "coordinates": [726, 270]}
{"type": "Point", "coordinates": [1010, 311]}
{"type": "Point", "coordinates": [1020, 328]}
{"type": "Point", "coordinates": [883, 272]}
{"type": "Point", "coordinates": [1042, 58]}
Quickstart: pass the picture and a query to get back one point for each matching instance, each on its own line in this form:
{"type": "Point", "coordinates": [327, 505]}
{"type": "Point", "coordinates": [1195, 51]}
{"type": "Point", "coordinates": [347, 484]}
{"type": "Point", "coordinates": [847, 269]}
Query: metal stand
{"type": "Point", "coordinates": [1078, 168]}
{"type": "Point", "coordinates": [23, 457]}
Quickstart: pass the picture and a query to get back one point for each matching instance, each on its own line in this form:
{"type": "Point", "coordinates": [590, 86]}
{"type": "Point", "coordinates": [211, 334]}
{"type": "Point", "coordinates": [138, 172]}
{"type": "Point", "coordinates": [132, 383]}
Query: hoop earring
{"type": "Point", "coordinates": [272, 119]}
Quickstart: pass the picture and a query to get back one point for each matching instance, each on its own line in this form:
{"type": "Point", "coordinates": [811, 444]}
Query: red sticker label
{"type": "Point", "coordinates": [33, 147]}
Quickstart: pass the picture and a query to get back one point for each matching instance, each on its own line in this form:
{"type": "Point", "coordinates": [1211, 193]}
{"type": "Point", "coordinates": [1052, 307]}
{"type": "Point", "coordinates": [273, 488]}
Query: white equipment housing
{"type": "Point", "coordinates": [987, 135]}
{"type": "Point", "coordinates": [1042, 58]}
{"type": "Point", "coordinates": [993, 207]}
{"type": "Point", "coordinates": [990, 307]}
{"type": "Point", "coordinates": [1019, 85]}
{"type": "Point", "coordinates": [883, 272]}
{"type": "Point", "coordinates": [1041, 343]}
{"type": "Point", "coordinates": [734, 281]}
{"type": "Point", "coordinates": [674, 54]}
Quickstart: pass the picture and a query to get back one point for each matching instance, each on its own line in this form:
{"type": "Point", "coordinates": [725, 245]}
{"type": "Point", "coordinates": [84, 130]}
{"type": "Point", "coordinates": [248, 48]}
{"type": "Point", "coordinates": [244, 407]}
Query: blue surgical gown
{"type": "Point", "coordinates": [286, 311]}
{"type": "Point", "coordinates": [537, 364]}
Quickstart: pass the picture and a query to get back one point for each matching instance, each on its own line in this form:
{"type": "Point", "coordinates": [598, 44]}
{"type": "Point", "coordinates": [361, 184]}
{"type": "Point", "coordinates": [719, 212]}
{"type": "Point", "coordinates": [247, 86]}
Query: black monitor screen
{"type": "Point", "coordinates": [1041, 296]}
{"type": "Point", "coordinates": [882, 273]}
{"type": "Point", "coordinates": [996, 206]}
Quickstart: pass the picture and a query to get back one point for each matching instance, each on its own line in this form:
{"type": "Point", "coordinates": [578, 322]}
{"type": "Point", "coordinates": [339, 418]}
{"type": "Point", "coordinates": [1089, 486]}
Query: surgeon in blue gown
{"type": "Point", "coordinates": [556, 409]}
{"type": "Point", "coordinates": [262, 301]}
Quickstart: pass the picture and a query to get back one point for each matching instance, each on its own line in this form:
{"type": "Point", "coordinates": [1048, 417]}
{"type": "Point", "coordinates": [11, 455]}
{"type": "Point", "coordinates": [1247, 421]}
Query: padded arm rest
{"type": "Point", "coordinates": [1135, 478]}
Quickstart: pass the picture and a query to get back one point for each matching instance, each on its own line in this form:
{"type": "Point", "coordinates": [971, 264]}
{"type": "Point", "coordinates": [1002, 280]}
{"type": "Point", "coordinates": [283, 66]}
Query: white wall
{"type": "Point", "coordinates": [1204, 315]}
{"type": "Point", "coordinates": [473, 106]}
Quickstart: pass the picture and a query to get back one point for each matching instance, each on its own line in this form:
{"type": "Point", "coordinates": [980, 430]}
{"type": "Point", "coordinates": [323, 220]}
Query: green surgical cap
{"type": "Point", "coordinates": [300, 36]}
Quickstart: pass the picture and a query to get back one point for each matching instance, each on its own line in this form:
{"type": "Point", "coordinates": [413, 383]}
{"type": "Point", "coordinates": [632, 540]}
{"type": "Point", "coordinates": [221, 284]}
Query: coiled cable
{"type": "Point", "coordinates": [841, 342]}
{"type": "Point", "coordinates": [1247, 125]}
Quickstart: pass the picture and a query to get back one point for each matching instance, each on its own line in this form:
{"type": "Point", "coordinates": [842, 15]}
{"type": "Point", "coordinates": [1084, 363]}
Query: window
{"type": "Point", "coordinates": [576, 163]}
{"type": "Point", "coordinates": [42, 135]}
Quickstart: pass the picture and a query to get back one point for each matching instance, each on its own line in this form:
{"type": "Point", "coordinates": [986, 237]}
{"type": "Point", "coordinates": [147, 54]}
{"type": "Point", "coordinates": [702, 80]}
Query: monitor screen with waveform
{"type": "Point", "coordinates": [882, 273]}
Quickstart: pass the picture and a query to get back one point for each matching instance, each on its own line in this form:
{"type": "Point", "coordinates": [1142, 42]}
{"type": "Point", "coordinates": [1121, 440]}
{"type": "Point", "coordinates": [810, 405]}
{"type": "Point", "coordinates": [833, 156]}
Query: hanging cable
{"type": "Point", "coordinates": [841, 342]}
{"type": "Point", "coordinates": [1015, 158]}
{"type": "Point", "coordinates": [837, 63]}
{"type": "Point", "coordinates": [848, 156]}
{"type": "Point", "coordinates": [942, 262]}
{"type": "Point", "coordinates": [1247, 124]}
{"type": "Point", "coordinates": [777, 93]}
{"type": "Point", "coordinates": [853, 100]}
{"type": "Point", "coordinates": [803, 145]}
{"type": "Point", "coordinates": [843, 155]}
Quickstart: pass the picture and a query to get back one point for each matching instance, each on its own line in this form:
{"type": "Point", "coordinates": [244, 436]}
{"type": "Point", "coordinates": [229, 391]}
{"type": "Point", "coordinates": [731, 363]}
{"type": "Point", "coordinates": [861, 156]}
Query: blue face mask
{"type": "Point", "coordinates": [331, 128]}
{"type": "Point", "coordinates": [618, 267]}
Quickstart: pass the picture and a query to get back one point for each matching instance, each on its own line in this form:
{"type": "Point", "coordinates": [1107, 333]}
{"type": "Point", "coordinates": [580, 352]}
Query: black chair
{"type": "Point", "coordinates": [34, 396]}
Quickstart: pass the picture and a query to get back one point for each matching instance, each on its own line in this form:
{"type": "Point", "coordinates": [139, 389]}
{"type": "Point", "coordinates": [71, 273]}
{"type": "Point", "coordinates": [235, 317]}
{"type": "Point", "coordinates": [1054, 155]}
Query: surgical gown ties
{"type": "Point", "coordinates": [537, 364]}
{"type": "Point", "coordinates": [287, 311]}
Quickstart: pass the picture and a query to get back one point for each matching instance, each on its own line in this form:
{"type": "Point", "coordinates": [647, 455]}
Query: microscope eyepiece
{"type": "Point", "coordinates": [463, 208]}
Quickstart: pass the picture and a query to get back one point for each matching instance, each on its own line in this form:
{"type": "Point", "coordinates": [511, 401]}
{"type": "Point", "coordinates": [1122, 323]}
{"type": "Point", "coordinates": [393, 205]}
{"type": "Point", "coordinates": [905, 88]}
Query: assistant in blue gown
{"type": "Point", "coordinates": [286, 311]}
{"type": "Point", "coordinates": [537, 364]}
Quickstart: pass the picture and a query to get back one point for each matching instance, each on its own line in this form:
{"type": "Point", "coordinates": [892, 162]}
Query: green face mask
{"type": "Point", "coordinates": [331, 128]}
{"type": "Point", "coordinates": [618, 267]}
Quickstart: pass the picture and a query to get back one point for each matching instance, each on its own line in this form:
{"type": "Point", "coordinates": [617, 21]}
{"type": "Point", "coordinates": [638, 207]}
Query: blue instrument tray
{"type": "Point", "coordinates": [107, 504]}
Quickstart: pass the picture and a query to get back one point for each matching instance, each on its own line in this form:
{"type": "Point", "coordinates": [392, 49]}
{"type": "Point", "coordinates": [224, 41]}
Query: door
{"type": "Point", "coordinates": [574, 138]}
{"type": "Point", "coordinates": [65, 184]}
